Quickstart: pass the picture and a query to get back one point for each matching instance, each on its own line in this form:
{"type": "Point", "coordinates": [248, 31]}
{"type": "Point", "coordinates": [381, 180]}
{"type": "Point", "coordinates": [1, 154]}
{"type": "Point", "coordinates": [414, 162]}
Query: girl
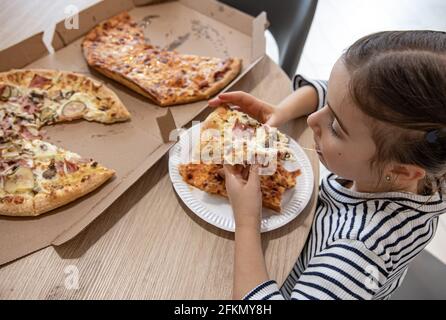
{"type": "Point", "coordinates": [381, 130]}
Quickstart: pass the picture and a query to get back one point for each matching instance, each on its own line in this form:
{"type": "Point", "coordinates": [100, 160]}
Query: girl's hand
{"type": "Point", "coordinates": [258, 109]}
{"type": "Point", "coordinates": [245, 196]}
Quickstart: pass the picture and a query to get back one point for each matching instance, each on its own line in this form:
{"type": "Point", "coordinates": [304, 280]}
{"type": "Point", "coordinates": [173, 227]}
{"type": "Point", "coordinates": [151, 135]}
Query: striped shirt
{"type": "Point", "coordinates": [360, 244]}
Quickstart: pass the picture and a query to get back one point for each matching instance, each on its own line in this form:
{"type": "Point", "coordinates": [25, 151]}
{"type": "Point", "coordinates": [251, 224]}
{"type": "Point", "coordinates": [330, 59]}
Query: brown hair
{"type": "Point", "coordinates": [399, 78]}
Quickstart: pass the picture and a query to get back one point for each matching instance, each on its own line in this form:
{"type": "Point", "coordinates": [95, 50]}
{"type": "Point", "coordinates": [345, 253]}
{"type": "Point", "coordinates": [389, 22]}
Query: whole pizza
{"type": "Point", "coordinates": [37, 176]}
{"type": "Point", "coordinates": [117, 49]}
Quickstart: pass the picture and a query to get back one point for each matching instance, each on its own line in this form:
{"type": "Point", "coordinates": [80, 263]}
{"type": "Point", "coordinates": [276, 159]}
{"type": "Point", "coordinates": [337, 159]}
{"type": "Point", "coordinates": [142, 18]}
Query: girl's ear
{"type": "Point", "coordinates": [407, 172]}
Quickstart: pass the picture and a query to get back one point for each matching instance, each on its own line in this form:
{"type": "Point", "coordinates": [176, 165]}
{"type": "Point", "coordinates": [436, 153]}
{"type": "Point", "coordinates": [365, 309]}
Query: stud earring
{"type": "Point", "coordinates": [388, 178]}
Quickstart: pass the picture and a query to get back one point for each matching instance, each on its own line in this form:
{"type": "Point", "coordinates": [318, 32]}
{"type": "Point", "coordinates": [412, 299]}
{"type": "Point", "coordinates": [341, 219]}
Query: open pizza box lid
{"type": "Point", "coordinates": [202, 27]}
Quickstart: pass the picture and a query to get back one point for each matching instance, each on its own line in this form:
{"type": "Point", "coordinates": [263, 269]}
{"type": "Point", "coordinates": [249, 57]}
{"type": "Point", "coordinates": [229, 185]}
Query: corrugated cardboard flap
{"type": "Point", "coordinates": [23, 53]}
{"type": "Point", "coordinates": [90, 17]}
{"type": "Point", "coordinates": [166, 125]}
{"type": "Point", "coordinates": [222, 13]}
{"type": "Point", "coordinates": [258, 47]}
{"type": "Point", "coordinates": [237, 19]}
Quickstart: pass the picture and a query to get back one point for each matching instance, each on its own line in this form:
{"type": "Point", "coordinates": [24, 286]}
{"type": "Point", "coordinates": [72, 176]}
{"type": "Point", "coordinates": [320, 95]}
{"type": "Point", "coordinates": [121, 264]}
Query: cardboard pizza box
{"type": "Point", "coordinates": [203, 27]}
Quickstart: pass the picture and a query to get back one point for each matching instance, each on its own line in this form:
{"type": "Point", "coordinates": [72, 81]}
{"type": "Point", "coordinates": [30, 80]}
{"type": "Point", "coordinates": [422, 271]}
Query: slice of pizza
{"type": "Point", "coordinates": [207, 177]}
{"type": "Point", "coordinates": [233, 137]}
{"type": "Point", "coordinates": [48, 96]}
{"type": "Point", "coordinates": [117, 49]}
{"type": "Point", "coordinates": [36, 177]}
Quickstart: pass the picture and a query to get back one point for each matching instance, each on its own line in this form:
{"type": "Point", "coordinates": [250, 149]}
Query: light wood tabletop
{"type": "Point", "coordinates": [147, 244]}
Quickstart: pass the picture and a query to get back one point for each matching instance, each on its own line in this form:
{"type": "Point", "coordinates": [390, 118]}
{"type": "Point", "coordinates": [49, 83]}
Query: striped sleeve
{"type": "Point", "coordinates": [345, 270]}
{"type": "Point", "coordinates": [268, 290]}
{"type": "Point", "coordinates": [320, 86]}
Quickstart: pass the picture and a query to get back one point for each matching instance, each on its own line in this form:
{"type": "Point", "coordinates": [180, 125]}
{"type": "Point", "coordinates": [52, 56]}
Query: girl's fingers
{"type": "Point", "coordinates": [245, 173]}
{"type": "Point", "coordinates": [221, 172]}
{"type": "Point", "coordinates": [240, 98]}
{"type": "Point", "coordinates": [272, 122]}
{"type": "Point", "coordinates": [233, 176]}
{"type": "Point", "coordinates": [254, 179]}
{"type": "Point", "coordinates": [232, 184]}
{"type": "Point", "coordinates": [227, 169]}
{"type": "Point", "coordinates": [230, 174]}
{"type": "Point", "coordinates": [221, 99]}
{"type": "Point", "coordinates": [230, 169]}
{"type": "Point", "coordinates": [215, 102]}
{"type": "Point", "coordinates": [246, 103]}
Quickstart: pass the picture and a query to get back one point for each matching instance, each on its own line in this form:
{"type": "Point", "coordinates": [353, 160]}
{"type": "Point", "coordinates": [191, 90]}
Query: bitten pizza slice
{"type": "Point", "coordinates": [36, 177]}
{"type": "Point", "coordinates": [117, 49]}
{"type": "Point", "coordinates": [230, 136]}
{"type": "Point", "coordinates": [49, 96]}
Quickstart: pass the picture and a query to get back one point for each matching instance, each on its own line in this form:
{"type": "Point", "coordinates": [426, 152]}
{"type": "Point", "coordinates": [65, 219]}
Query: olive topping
{"type": "Point", "coordinates": [36, 97]}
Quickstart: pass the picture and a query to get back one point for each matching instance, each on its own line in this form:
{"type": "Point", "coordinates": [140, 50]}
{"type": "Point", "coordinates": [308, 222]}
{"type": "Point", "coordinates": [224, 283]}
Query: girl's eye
{"type": "Point", "coordinates": [333, 130]}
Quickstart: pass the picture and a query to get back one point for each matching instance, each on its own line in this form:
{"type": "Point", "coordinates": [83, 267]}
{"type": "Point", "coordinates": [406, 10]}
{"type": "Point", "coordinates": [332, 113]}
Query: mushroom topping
{"type": "Point", "coordinates": [47, 115]}
{"type": "Point", "coordinates": [5, 93]}
{"type": "Point", "coordinates": [50, 172]}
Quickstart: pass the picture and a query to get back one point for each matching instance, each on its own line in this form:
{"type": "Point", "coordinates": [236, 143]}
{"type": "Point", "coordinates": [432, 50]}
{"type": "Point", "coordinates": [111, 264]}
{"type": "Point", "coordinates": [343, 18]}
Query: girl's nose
{"type": "Point", "coordinates": [313, 123]}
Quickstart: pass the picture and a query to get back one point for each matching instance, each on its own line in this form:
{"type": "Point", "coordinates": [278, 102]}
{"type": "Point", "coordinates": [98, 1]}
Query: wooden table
{"type": "Point", "coordinates": [148, 245]}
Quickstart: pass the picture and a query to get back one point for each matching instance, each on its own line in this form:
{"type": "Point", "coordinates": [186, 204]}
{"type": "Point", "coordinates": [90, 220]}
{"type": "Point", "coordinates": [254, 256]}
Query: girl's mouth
{"type": "Point", "coordinates": [319, 153]}
{"type": "Point", "coordinates": [318, 150]}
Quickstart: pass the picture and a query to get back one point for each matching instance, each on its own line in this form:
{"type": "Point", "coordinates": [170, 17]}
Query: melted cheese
{"type": "Point", "coordinates": [42, 150]}
{"type": "Point", "coordinates": [242, 138]}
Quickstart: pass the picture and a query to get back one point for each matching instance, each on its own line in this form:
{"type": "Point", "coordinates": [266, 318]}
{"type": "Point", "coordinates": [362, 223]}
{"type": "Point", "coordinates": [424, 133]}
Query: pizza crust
{"type": "Point", "coordinates": [271, 205]}
{"type": "Point", "coordinates": [72, 81]}
{"type": "Point", "coordinates": [103, 41]}
{"type": "Point", "coordinates": [23, 77]}
{"type": "Point", "coordinates": [165, 101]}
{"type": "Point", "coordinates": [215, 119]}
{"type": "Point", "coordinates": [204, 177]}
{"type": "Point", "coordinates": [47, 202]}
{"type": "Point", "coordinates": [97, 95]}
{"type": "Point", "coordinates": [122, 80]}
{"type": "Point", "coordinates": [18, 210]}
{"type": "Point", "coordinates": [44, 202]}
{"type": "Point", "coordinates": [234, 69]}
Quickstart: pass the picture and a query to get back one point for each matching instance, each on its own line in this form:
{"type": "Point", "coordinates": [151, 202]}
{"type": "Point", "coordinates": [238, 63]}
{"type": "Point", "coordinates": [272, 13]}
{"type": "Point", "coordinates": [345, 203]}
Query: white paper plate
{"type": "Point", "coordinates": [216, 210]}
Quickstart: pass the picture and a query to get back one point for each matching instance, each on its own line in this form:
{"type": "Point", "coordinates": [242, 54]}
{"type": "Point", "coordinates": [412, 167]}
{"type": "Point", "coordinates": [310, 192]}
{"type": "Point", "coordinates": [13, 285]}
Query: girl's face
{"type": "Point", "coordinates": [342, 136]}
